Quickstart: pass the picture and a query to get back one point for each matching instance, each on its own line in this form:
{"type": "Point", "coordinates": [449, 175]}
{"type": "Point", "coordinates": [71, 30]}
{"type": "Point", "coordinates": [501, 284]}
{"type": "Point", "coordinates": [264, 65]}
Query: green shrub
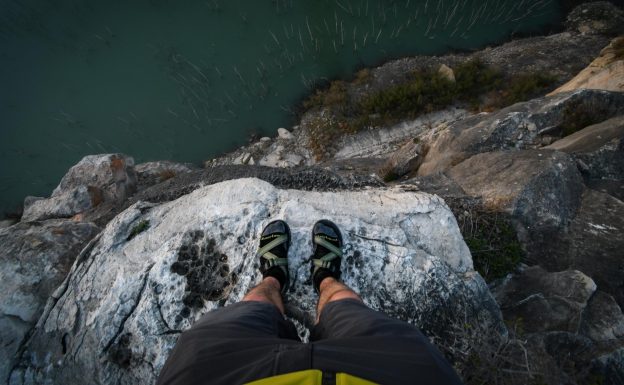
{"type": "Point", "coordinates": [492, 241]}
{"type": "Point", "coordinates": [426, 91]}
{"type": "Point", "coordinates": [526, 86]}
{"type": "Point", "coordinates": [142, 226]}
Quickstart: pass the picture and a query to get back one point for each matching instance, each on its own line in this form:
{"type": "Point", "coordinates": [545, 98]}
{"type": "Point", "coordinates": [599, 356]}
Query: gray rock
{"type": "Point", "coordinates": [151, 173]}
{"type": "Point", "coordinates": [542, 188]}
{"type": "Point", "coordinates": [7, 223]}
{"type": "Point", "coordinates": [113, 174]}
{"type": "Point", "coordinates": [603, 321]}
{"type": "Point", "coordinates": [118, 314]}
{"type": "Point", "coordinates": [64, 205]}
{"type": "Point", "coordinates": [599, 17]}
{"type": "Point", "coordinates": [29, 200]}
{"type": "Point", "coordinates": [405, 160]}
{"type": "Point", "coordinates": [284, 134]}
{"type": "Point", "coordinates": [501, 130]}
{"type": "Point", "coordinates": [591, 243]}
{"type": "Point", "coordinates": [545, 301]}
{"type": "Point", "coordinates": [34, 259]}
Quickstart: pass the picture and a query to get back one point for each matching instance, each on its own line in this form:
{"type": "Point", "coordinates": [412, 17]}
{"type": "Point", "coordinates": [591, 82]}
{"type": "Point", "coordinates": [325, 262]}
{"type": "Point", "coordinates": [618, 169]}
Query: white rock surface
{"type": "Point", "coordinates": [117, 315]}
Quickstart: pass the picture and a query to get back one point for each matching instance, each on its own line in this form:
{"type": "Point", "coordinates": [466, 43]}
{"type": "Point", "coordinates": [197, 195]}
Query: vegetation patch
{"type": "Point", "coordinates": [492, 241]}
{"type": "Point", "coordinates": [138, 229]}
{"type": "Point", "coordinates": [477, 86]}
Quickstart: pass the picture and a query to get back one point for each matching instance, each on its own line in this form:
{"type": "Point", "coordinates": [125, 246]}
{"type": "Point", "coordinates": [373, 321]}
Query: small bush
{"type": "Point", "coordinates": [526, 86]}
{"type": "Point", "coordinates": [492, 241]}
{"type": "Point", "coordinates": [362, 76]}
{"type": "Point", "coordinates": [333, 97]}
{"type": "Point", "coordinates": [142, 226]}
{"type": "Point", "coordinates": [425, 92]}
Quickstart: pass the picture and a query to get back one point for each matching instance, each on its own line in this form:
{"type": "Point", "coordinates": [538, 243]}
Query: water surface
{"type": "Point", "coordinates": [187, 80]}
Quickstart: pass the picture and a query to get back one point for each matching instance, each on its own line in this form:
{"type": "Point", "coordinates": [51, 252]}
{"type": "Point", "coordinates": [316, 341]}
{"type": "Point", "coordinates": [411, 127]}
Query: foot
{"type": "Point", "coordinates": [273, 252]}
{"type": "Point", "coordinates": [327, 256]}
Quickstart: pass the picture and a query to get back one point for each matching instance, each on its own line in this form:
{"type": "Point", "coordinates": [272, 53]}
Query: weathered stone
{"type": "Point", "coordinates": [606, 72]}
{"type": "Point", "coordinates": [151, 173]}
{"type": "Point", "coordinates": [545, 301]}
{"type": "Point", "coordinates": [603, 321]}
{"type": "Point", "coordinates": [542, 188]}
{"type": "Point", "coordinates": [7, 223]}
{"type": "Point", "coordinates": [64, 205]}
{"type": "Point", "coordinates": [120, 310]}
{"type": "Point", "coordinates": [34, 259]}
{"type": "Point", "coordinates": [284, 134]}
{"type": "Point", "coordinates": [113, 174]}
{"type": "Point", "coordinates": [406, 160]}
{"type": "Point", "coordinates": [599, 17]}
{"type": "Point", "coordinates": [500, 130]}
{"type": "Point", "coordinates": [447, 72]}
{"type": "Point", "coordinates": [591, 243]}
{"type": "Point", "coordinates": [599, 151]}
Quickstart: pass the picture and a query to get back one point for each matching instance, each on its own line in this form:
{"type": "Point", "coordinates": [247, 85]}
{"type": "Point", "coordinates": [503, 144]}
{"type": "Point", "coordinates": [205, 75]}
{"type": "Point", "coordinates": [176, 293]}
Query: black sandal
{"type": "Point", "coordinates": [327, 255]}
{"type": "Point", "coordinates": [273, 252]}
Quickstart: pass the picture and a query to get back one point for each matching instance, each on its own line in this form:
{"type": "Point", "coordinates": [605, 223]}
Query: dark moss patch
{"type": "Point", "coordinates": [121, 353]}
{"type": "Point", "coordinates": [208, 276]}
{"type": "Point", "coordinates": [138, 229]}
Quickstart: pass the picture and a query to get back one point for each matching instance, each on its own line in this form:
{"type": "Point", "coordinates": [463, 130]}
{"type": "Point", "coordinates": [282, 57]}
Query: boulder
{"type": "Point", "coordinates": [283, 133]}
{"type": "Point", "coordinates": [112, 174]}
{"type": "Point", "coordinates": [541, 188]}
{"type": "Point", "coordinates": [603, 321]}
{"type": "Point", "coordinates": [156, 269]}
{"type": "Point", "coordinates": [599, 152]}
{"type": "Point", "coordinates": [591, 243]}
{"type": "Point", "coordinates": [34, 260]}
{"type": "Point", "coordinates": [151, 173]}
{"type": "Point", "coordinates": [520, 126]}
{"type": "Point", "coordinates": [574, 333]}
{"type": "Point", "coordinates": [599, 17]}
{"type": "Point", "coordinates": [64, 205]}
{"type": "Point", "coordinates": [545, 301]}
{"type": "Point", "coordinates": [405, 160]}
{"type": "Point", "coordinates": [606, 72]}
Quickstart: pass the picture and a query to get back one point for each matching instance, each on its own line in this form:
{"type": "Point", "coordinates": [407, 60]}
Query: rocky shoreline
{"type": "Point", "coordinates": [499, 232]}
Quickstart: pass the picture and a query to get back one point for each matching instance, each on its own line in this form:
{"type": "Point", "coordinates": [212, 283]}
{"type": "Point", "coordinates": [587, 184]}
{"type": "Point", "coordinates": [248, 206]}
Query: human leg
{"type": "Point", "coordinates": [248, 340]}
{"type": "Point", "coordinates": [268, 291]}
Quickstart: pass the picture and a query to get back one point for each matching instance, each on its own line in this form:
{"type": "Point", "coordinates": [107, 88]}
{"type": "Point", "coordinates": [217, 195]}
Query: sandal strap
{"type": "Point", "coordinates": [329, 246]}
{"type": "Point", "coordinates": [263, 251]}
{"type": "Point", "coordinates": [274, 260]}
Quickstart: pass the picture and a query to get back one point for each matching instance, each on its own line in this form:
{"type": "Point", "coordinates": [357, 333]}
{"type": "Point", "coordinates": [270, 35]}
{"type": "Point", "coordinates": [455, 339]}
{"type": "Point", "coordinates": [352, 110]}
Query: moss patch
{"type": "Point", "coordinates": [138, 229]}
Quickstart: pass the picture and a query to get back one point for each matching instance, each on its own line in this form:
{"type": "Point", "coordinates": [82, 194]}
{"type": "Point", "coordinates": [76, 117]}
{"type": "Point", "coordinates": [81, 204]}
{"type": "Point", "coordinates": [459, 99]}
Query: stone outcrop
{"type": "Point", "coordinates": [95, 179]}
{"type": "Point", "coordinates": [566, 322]}
{"type": "Point", "coordinates": [598, 17]}
{"type": "Point", "coordinates": [520, 126]}
{"type": "Point", "coordinates": [546, 301]}
{"type": "Point", "coordinates": [591, 243]}
{"type": "Point", "coordinates": [599, 153]}
{"type": "Point", "coordinates": [35, 257]}
{"type": "Point", "coordinates": [143, 280]}
{"type": "Point", "coordinates": [542, 188]}
{"type": "Point", "coordinates": [606, 72]}
{"type": "Point", "coordinates": [151, 173]}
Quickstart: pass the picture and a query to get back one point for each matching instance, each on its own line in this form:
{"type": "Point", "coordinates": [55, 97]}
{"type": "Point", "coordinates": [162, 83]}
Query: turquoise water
{"type": "Point", "coordinates": [187, 80]}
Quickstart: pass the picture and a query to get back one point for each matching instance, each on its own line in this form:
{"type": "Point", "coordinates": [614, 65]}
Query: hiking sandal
{"type": "Point", "coordinates": [327, 255]}
{"type": "Point", "coordinates": [273, 252]}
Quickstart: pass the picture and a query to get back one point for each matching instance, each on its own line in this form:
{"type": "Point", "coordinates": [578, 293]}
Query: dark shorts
{"type": "Point", "coordinates": [248, 341]}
